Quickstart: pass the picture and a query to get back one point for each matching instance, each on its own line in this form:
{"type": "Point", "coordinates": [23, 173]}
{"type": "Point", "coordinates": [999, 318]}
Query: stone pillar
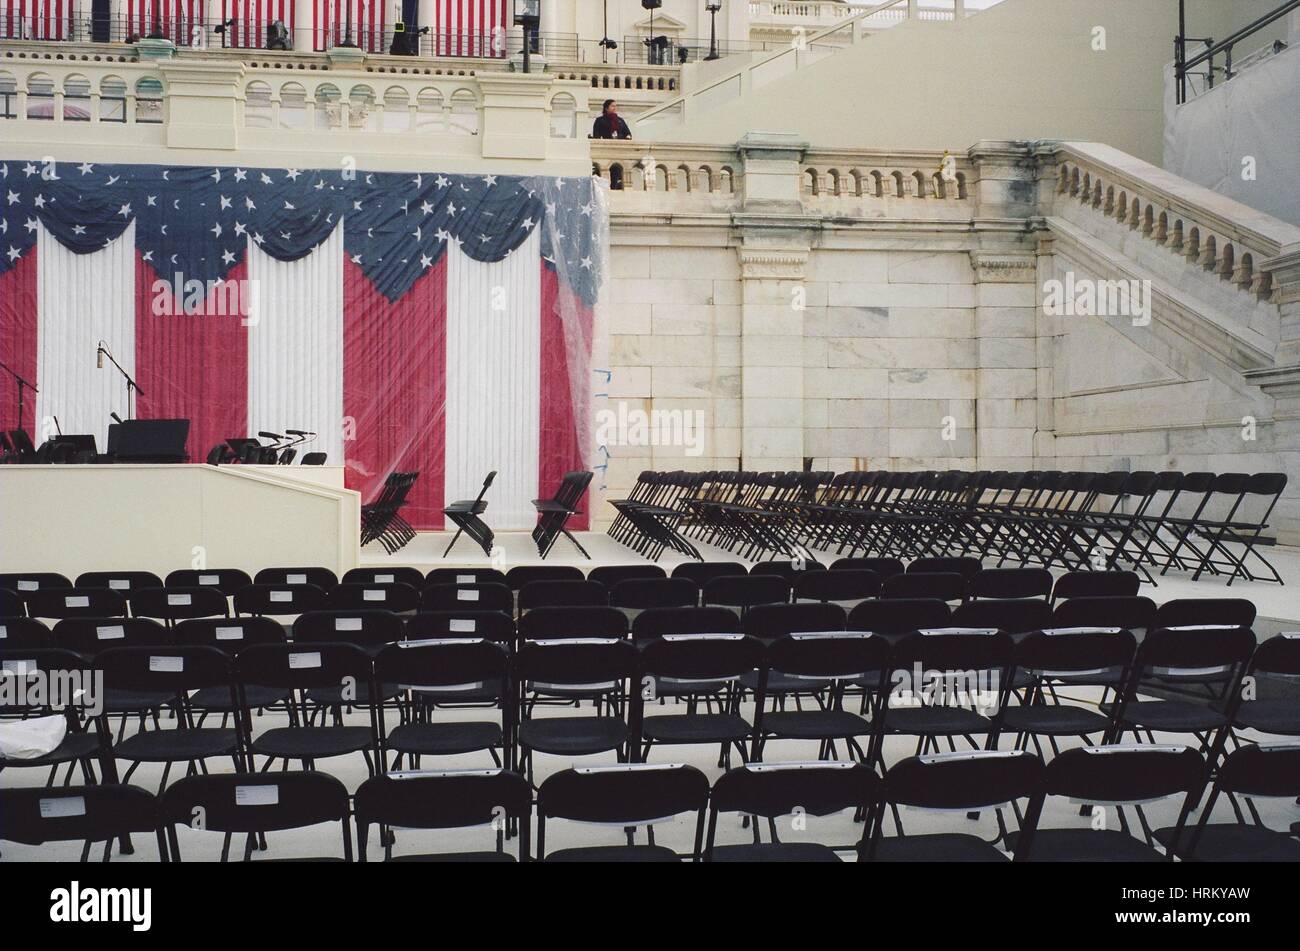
{"type": "Point", "coordinates": [515, 120]}
{"type": "Point", "coordinates": [202, 103]}
{"type": "Point", "coordinates": [772, 274]}
{"type": "Point", "coordinates": [773, 262]}
{"type": "Point", "coordinates": [1007, 359]}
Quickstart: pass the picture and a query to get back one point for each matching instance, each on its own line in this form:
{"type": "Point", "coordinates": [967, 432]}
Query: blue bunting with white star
{"type": "Point", "coordinates": [198, 220]}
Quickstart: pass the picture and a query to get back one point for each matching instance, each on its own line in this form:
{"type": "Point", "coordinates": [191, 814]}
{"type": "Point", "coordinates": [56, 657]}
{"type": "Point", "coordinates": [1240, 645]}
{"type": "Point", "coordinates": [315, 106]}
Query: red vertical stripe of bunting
{"type": "Point", "coordinates": [564, 401]}
{"type": "Point", "coordinates": [192, 366]}
{"type": "Point", "coordinates": [18, 342]}
{"type": "Point", "coordinates": [394, 389]}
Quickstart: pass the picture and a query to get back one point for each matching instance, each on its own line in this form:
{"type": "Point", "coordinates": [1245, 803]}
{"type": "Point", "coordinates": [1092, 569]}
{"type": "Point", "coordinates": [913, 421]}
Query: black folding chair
{"type": "Point", "coordinates": [151, 672]}
{"type": "Point", "coordinates": [300, 668]}
{"type": "Point", "coordinates": [775, 791]}
{"type": "Point", "coordinates": [895, 617]}
{"type": "Point", "coordinates": [89, 814]}
{"type": "Point", "coordinates": [121, 581]}
{"type": "Point", "coordinates": [1074, 657]}
{"type": "Point", "coordinates": [626, 796]}
{"type": "Point", "coordinates": [702, 572]}
{"type": "Point", "coordinates": [496, 626]}
{"type": "Point", "coordinates": [1252, 772]}
{"type": "Point", "coordinates": [448, 799]}
{"type": "Point", "coordinates": [467, 514]}
{"type": "Point", "coordinates": [1011, 583]}
{"type": "Point", "coordinates": [459, 576]}
{"type": "Point", "coordinates": [323, 578]}
{"type": "Point", "coordinates": [230, 636]}
{"type": "Point", "coordinates": [677, 665]}
{"type": "Point", "coordinates": [611, 575]}
{"type": "Point", "coordinates": [743, 592]}
{"type": "Point", "coordinates": [280, 599]}
{"type": "Point", "coordinates": [89, 636]}
{"type": "Point", "coordinates": [225, 580]}
{"type": "Point", "coordinates": [12, 604]}
{"type": "Point", "coordinates": [1096, 584]}
{"type": "Point", "coordinates": [55, 603]}
{"type": "Point", "coordinates": [22, 633]}
{"type": "Point", "coordinates": [371, 629]}
{"type": "Point", "coordinates": [846, 587]}
{"type": "Point", "coordinates": [1274, 669]}
{"type": "Point", "coordinates": [430, 670]}
{"type": "Point", "coordinates": [394, 596]}
{"type": "Point", "coordinates": [594, 668]}
{"type": "Point", "coordinates": [178, 604]}
{"type": "Point", "coordinates": [24, 583]}
{"type": "Point", "coordinates": [571, 594]}
{"type": "Point", "coordinates": [959, 783]}
{"type": "Point", "coordinates": [468, 597]}
{"type": "Point", "coordinates": [1131, 613]}
{"type": "Point", "coordinates": [1122, 778]}
{"type": "Point", "coordinates": [553, 514]}
{"type": "Point", "coordinates": [658, 622]}
{"type": "Point", "coordinates": [402, 575]}
{"type": "Point", "coordinates": [643, 594]}
{"type": "Point", "coordinates": [1015, 616]}
{"type": "Point", "coordinates": [884, 567]}
{"type": "Point", "coordinates": [962, 676]}
{"type": "Point", "coordinates": [254, 805]}
{"type": "Point", "coordinates": [943, 586]}
{"type": "Point", "coordinates": [37, 665]}
{"type": "Point", "coordinates": [1205, 664]}
{"type": "Point", "coordinates": [549, 623]}
{"type": "Point", "coordinates": [381, 520]}
{"type": "Point", "coordinates": [521, 575]}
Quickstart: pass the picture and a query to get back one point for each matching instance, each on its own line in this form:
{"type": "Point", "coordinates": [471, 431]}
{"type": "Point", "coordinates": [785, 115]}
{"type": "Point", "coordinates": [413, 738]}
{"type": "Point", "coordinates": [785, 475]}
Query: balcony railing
{"type": "Point", "coordinates": [215, 103]}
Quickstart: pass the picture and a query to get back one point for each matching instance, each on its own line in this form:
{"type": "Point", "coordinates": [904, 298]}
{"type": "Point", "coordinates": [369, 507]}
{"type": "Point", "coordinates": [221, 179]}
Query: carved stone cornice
{"type": "Point", "coordinates": [780, 264]}
{"type": "Point", "coordinates": [1005, 267]}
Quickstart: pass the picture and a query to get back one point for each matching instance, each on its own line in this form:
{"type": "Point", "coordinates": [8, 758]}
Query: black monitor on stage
{"type": "Point", "coordinates": [78, 443]}
{"type": "Point", "coordinates": [152, 440]}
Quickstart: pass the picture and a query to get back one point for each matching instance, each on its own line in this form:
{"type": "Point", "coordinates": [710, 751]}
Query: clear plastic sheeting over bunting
{"type": "Point", "coordinates": [345, 303]}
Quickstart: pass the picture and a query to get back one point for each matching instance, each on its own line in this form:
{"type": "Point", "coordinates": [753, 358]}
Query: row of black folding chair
{"type": "Point", "coordinates": [631, 796]}
{"type": "Point", "coordinates": [1077, 520]}
{"type": "Point", "coordinates": [381, 519]}
{"type": "Point", "coordinates": [649, 518]}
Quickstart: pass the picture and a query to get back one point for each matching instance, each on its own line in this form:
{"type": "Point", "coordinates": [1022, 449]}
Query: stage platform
{"type": "Point", "coordinates": [1278, 605]}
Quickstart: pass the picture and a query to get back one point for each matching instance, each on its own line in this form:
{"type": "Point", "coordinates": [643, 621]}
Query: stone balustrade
{"type": "Point", "coordinates": [1239, 245]}
{"type": "Point", "coordinates": [364, 108]}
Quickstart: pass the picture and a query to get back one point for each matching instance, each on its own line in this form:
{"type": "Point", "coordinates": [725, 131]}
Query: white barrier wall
{"type": "Point", "coordinates": [159, 518]}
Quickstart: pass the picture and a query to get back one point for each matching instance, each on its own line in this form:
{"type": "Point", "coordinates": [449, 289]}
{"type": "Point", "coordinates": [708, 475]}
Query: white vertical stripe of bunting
{"type": "Point", "coordinates": [81, 300]}
{"type": "Point", "coordinates": [295, 345]}
{"type": "Point", "coordinates": [493, 381]}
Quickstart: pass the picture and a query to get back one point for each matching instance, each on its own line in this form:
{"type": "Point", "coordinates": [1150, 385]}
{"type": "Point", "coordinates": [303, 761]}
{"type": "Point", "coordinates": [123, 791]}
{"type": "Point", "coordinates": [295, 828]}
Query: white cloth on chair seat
{"type": "Point", "coordinates": [32, 739]}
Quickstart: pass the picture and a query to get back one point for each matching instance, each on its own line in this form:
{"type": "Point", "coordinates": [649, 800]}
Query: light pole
{"type": "Point", "coordinates": [713, 7]}
{"type": "Point", "coordinates": [528, 14]}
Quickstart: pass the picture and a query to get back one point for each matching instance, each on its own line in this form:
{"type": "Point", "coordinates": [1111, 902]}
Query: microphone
{"type": "Point", "coordinates": [99, 356]}
{"type": "Point", "coordinates": [116, 418]}
{"type": "Point", "coordinates": [298, 432]}
{"type": "Point", "coordinates": [57, 427]}
{"type": "Point", "coordinates": [266, 435]}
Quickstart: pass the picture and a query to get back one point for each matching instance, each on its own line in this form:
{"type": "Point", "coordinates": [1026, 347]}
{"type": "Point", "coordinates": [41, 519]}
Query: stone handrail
{"type": "Point", "coordinates": [1245, 247]}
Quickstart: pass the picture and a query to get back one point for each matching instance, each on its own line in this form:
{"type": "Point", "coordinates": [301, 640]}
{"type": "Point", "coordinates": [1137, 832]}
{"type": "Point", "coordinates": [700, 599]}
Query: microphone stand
{"type": "Point", "coordinates": [132, 389]}
{"type": "Point", "coordinates": [22, 384]}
